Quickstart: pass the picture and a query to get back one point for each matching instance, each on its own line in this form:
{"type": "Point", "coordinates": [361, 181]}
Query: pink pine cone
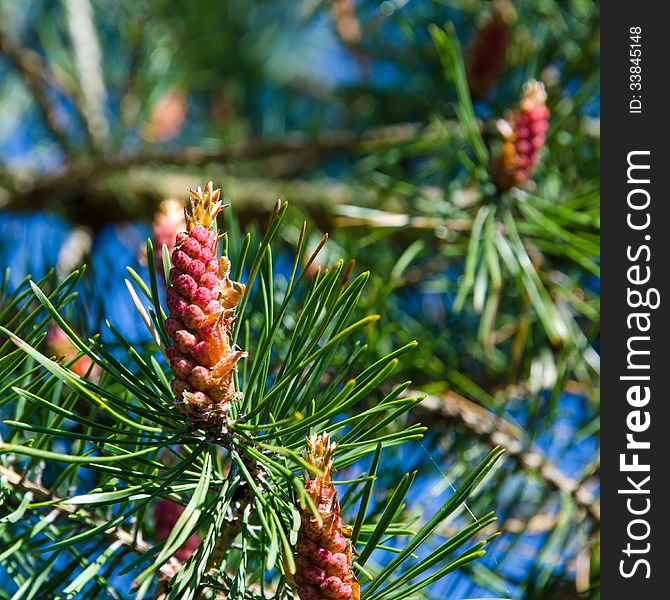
{"type": "Point", "coordinates": [201, 300]}
{"type": "Point", "coordinates": [524, 137]}
{"type": "Point", "coordinates": [168, 221]}
{"type": "Point", "coordinates": [486, 57]}
{"type": "Point", "coordinates": [323, 554]}
{"type": "Point", "coordinates": [166, 514]}
{"type": "Point", "coordinates": [58, 344]}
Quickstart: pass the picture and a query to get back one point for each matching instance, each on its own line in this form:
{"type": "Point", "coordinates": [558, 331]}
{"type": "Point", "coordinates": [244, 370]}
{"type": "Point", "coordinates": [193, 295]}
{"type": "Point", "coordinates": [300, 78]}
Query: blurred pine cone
{"type": "Point", "coordinates": [523, 132]}
{"type": "Point", "coordinates": [487, 54]}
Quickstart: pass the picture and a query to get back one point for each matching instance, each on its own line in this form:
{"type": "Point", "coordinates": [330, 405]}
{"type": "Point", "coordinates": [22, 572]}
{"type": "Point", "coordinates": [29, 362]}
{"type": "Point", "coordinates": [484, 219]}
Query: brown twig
{"type": "Point", "coordinates": [137, 193]}
{"type": "Point", "coordinates": [108, 189]}
{"type": "Point", "coordinates": [41, 494]}
{"type": "Point", "coordinates": [499, 432]}
{"type": "Point", "coordinates": [132, 542]}
{"type": "Point", "coordinates": [30, 66]}
{"type": "Point", "coordinates": [326, 144]}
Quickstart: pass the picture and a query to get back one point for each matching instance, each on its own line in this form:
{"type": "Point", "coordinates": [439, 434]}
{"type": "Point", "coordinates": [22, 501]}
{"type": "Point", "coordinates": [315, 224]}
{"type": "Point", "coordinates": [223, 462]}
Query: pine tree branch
{"type": "Point", "coordinates": [137, 193]}
{"type": "Point", "coordinates": [42, 494]}
{"type": "Point", "coordinates": [87, 55]}
{"type": "Point", "coordinates": [133, 543]}
{"type": "Point", "coordinates": [31, 68]}
{"type": "Point", "coordinates": [101, 190]}
{"type": "Point", "coordinates": [322, 146]}
{"type": "Point", "coordinates": [496, 431]}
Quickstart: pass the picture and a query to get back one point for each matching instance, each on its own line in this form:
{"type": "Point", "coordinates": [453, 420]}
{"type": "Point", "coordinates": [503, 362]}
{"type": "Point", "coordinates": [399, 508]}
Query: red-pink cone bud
{"type": "Point", "coordinates": [167, 117]}
{"type": "Point", "coordinates": [166, 515]}
{"type": "Point", "coordinates": [346, 22]}
{"type": "Point", "coordinates": [59, 345]}
{"type": "Point", "coordinates": [523, 133]}
{"type": "Point", "coordinates": [201, 300]}
{"type": "Point", "coordinates": [323, 552]}
{"type": "Point", "coordinates": [168, 222]}
{"type": "Point", "coordinates": [486, 57]}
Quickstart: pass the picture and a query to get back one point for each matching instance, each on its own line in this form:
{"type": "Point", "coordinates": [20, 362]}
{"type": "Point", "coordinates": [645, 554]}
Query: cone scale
{"type": "Point", "coordinates": [323, 552]}
{"type": "Point", "coordinates": [201, 299]}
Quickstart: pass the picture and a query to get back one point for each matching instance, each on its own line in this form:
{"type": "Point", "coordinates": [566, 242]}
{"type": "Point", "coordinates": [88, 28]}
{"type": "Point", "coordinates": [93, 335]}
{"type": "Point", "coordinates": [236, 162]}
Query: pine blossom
{"type": "Point", "coordinates": [58, 344]}
{"type": "Point", "coordinates": [166, 515]}
{"type": "Point", "coordinates": [486, 57]}
{"type": "Point", "coordinates": [323, 552]}
{"type": "Point", "coordinates": [346, 22]}
{"type": "Point", "coordinates": [201, 300]}
{"type": "Point", "coordinates": [167, 117]}
{"type": "Point", "coordinates": [168, 222]}
{"type": "Point", "coordinates": [523, 133]}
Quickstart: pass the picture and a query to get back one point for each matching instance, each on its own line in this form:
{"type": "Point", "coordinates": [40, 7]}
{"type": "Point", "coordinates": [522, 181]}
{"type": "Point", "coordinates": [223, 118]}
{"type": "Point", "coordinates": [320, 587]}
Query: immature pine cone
{"type": "Point", "coordinates": [347, 26]}
{"type": "Point", "coordinates": [486, 57]}
{"type": "Point", "coordinates": [201, 300]}
{"type": "Point", "coordinates": [168, 222]}
{"type": "Point", "coordinates": [166, 515]}
{"type": "Point", "coordinates": [58, 344]}
{"type": "Point", "coordinates": [523, 134]}
{"type": "Point", "coordinates": [323, 552]}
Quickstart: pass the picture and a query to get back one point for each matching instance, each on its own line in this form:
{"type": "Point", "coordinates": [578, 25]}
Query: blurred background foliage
{"type": "Point", "coordinates": [359, 114]}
